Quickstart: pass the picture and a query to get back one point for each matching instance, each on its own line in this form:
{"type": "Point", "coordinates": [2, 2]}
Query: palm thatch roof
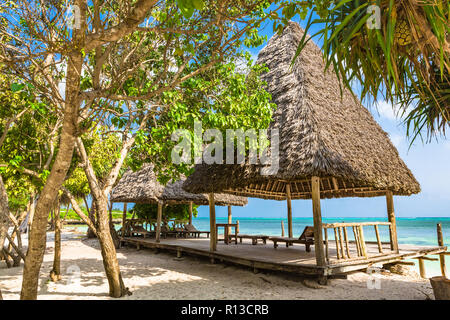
{"type": "Point", "coordinates": [143, 187]}
{"type": "Point", "coordinates": [321, 134]}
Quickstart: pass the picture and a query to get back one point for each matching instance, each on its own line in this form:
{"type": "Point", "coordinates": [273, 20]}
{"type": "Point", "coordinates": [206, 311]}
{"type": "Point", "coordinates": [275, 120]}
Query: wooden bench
{"type": "Point", "coordinates": [254, 238]}
{"type": "Point", "coordinates": [306, 238]}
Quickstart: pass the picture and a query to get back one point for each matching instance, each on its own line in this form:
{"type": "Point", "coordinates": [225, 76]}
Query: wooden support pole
{"type": "Point", "coordinates": [237, 227]}
{"type": "Point", "coordinates": [358, 249]}
{"type": "Point", "coordinates": [289, 208]}
{"type": "Point", "coordinates": [337, 243]}
{"type": "Point", "coordinates": [423, 273]}
{"type": "Point", "coordinates": [282, 228]}
{"type": "Point", "coordinates": [317, 213]}
{"type": "Point", "coordinates": [212, 223]}
{"type": "Point", "coordinates": [391, 218]}
{"type": "Point", "coordinates": [190, 212]}
{"type": "Point", "coordinates": [380, 248]}
{"type": "Point", "coordinates": [327, 256]}
{"type": "Point", "coordinates": [347, 247]}
{"type": "Point", "coordinates": [230, 219]}
{"type": "Point", "coordinates": [124, 219]}
{"type": "Point", "coordinates": [341, 242]}
{"type": "Point", "coordinates": [362, 241]}
{"type": "Point", "coordinates": [158, 221]}
{"type": "Point", "coordinates": [440, 237]}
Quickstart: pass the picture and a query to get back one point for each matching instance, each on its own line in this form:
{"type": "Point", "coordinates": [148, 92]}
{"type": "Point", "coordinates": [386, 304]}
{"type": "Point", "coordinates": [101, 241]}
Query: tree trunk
{"type": "Point", "coordinates": [4, 214]}
{"type": "Point", "coordinates": [37, 236]}
{"type": "Point", "coordinates": [55, 274]}
{"type": "Point", "coordinates": [52, 221]}
{"type": "Point", "coordinates": [116, 286]}
{"type": "Point", "coordinates": [91, 214]}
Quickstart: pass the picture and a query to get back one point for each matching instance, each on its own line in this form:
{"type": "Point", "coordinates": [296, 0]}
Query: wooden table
{"type": "Point", "coordinates": [226, 227]}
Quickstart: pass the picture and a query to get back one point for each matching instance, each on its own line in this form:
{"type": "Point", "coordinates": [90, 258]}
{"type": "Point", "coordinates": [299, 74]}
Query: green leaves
{"type": "Point", "coordinates": [413, 74]}
{"type": "Point", "coordinates": [16, 87]}
{"type": "Point", "coordinates": [187, 7]}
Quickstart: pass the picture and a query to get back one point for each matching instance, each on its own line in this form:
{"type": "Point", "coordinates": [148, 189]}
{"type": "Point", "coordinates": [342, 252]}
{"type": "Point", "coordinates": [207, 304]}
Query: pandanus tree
{"type": "Point", "coordinates": [397, 50]}
{"type": "Point", "coordinates": [115, 61]}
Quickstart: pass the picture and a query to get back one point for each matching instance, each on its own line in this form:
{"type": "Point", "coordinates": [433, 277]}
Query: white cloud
{"type": "Point", "coordinates": [387, 110]}
{"type": "Point", "coordinates": [397, 139]}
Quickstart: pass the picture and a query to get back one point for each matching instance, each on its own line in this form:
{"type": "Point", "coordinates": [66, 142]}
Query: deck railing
{"type": "Point", "coordinates": [343, 242]}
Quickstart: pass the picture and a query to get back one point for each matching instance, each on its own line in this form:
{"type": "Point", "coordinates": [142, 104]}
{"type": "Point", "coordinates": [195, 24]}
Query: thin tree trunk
{"type": "Point", "coordinates": [4, 214]}
{"type": "Point", "coordinates": [117, 288]}
{"type": "Point", "coordinates": [55, 274]}
{"type": "Point", "coordinates": [52, 220]}
{"type": "Point", "coordinates": [91, 214]}
{"type": "Point", "coordinates": [37, 236]}
{"type": "Point", "coordinates": [113, 231]}
{"type": "Point", "coordinates": [78, 210]}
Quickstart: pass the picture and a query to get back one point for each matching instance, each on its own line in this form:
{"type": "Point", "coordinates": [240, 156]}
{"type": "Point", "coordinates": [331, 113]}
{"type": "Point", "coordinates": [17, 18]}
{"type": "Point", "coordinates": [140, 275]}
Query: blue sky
{"type": "Point", "coordinates": [428, 162]}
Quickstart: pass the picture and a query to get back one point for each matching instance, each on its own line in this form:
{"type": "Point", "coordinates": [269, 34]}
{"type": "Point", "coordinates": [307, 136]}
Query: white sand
{"type": "Point", "coordinates": [162, 276]}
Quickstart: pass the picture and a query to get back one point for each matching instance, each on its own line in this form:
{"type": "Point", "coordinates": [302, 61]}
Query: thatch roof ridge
{"type": "Point", "coordinates": [321, 133]}
{"type": "Point", "coordinates": [143, 187]}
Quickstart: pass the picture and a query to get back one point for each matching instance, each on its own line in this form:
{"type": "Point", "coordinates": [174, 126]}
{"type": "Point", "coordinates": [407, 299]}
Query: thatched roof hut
{"type": "Point", "coordinates": [329, 145]}
{"type": "Point", "coordinates": [321, 134]}
{"type": "Point", "coordinates": [143, 187]}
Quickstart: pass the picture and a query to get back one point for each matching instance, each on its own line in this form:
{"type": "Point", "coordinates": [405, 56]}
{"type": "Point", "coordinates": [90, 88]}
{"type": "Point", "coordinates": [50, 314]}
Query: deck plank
{"type": "Point", "coordinates": [291, 259]}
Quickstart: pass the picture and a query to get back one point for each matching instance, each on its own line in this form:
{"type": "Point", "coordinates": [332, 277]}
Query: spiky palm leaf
{"type": "Point", "coordinates": [402, 61]}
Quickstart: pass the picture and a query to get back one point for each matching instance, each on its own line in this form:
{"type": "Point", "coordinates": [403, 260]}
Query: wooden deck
{"type": "Point", "coordinates": [293, 259]}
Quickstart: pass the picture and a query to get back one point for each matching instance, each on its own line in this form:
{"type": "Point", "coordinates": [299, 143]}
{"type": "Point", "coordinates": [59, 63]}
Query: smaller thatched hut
{"type": "Point", "coordinates": [143, 187]}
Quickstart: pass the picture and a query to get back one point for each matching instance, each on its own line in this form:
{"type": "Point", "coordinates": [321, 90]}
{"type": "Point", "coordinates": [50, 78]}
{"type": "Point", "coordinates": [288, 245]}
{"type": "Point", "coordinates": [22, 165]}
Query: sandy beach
{"type": "Point", "coordinates": [163, 276]}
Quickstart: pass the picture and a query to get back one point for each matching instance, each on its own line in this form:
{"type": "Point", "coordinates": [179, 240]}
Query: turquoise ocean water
{"type": "Point", "coordinates": [419, 231]}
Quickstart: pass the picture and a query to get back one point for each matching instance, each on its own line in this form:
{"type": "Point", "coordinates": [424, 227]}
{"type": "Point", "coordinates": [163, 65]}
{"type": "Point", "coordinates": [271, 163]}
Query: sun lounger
{"type": "Point", "coordinates": [165, 231]}
{"type": "Point", "coordinates": [141, 230]}
{"type": "Point", "coordinates": [253, 237]}
{"type": "Point", "coordinates": [190, 229]}
{"type": "Point", "coordinates": [307, 238]}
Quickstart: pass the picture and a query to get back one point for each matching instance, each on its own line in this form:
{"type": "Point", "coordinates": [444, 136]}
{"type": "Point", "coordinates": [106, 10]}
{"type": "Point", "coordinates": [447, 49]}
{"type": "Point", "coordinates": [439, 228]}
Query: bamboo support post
{"type": "Point", "coordinates": [317, 214]}
{"type": "Point", "coordinates": [326, 245]}
{"type": "Point", "coordinates": [440, 237]}
{"type": "Point", "coordinates": [124, 219]}
{"type": "Point", "coordinates": [190, 212]}
{"type": "Point", "coordinates": [282, 228]}
{"type": "Point", "coordinates": [337, 243]}
{"type": "Point", "coordinates": [355, 233]}
{"type": "Point", "coordinates": [423, 273]}
{"type": "Point", "coordinates": [289, 208]}
{"type": "Point", "coordinates": [341, 242]}
{"type": "Point", "coordinates": [391, 218]}
{"type": "Point", "coordinates": [377, 233]}
{"type": "Point", "coordinates": [363, 243]}
{"type": "Point", "coordinates": [230, 219]}
{"type": "Point", "coordinates": [158, 222]}
{"type": "Point", "coordinates": [212, 223]}
{"type": "Point", "coordinates": [347, 247]}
